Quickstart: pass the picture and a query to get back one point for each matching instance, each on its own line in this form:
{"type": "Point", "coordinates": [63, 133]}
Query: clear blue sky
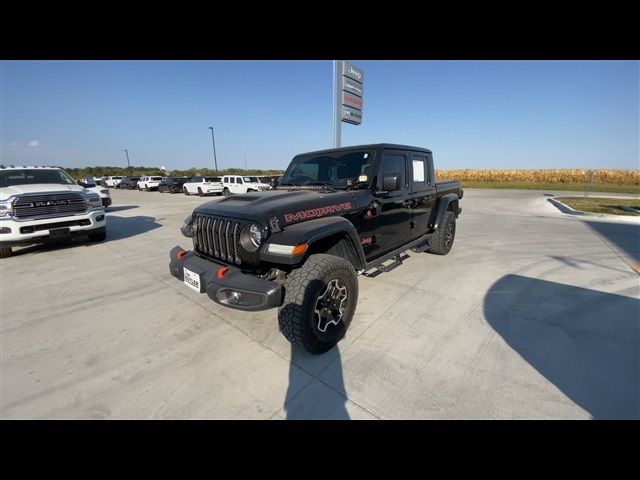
{"type": "Point", "coordinates": [472, 114]}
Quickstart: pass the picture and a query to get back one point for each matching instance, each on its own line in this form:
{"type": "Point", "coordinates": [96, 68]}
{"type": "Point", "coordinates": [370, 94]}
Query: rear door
{"type": "Point", "coordinates": [192, 186]}
{"type": "Point", "coordinates": [422, 193]}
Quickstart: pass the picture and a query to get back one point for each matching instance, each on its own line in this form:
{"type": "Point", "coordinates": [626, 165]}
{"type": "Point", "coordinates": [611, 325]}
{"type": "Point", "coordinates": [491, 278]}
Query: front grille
{"type": "Point", "coordinates": [217, 237]}
{"type": "Point", "coordinates": [54, 205]}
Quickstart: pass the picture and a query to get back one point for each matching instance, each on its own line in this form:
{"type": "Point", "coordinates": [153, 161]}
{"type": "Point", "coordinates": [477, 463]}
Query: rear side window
{"type": "Point", "coordinates": [232, 179]}
{"type": "Point", "coordinates": [419, 164]}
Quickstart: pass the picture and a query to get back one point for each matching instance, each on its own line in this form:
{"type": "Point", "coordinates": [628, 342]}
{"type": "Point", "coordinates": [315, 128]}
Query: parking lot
{"type": "Point", "coordinates": [533, 314]}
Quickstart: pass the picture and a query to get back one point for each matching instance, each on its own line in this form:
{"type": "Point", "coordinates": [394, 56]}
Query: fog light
{"type": "Point", "coordinates": [99, 218]}
{"type": "Point", "coordinates": [234, 297]}
{"type": "Point", "coordinates": [5, 230]}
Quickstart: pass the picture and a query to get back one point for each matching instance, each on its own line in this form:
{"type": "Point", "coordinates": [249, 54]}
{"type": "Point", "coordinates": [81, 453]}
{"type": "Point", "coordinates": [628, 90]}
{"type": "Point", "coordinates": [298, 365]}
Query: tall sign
{"type": "Point", "coordinates": [348, 95]}
{"type": "Point", "coordinates": [352, 90]}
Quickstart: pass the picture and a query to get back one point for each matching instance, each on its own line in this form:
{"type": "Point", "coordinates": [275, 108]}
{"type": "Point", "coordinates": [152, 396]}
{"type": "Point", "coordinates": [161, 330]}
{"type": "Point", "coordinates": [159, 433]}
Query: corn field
{"type": "Point", "coordinates": [616, 177]}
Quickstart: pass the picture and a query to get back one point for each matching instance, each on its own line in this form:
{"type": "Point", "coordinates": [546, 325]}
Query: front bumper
{"type": "Point", "coordinates": [251, 293]}
{"type": "Point", "coordinates": [29, 232]}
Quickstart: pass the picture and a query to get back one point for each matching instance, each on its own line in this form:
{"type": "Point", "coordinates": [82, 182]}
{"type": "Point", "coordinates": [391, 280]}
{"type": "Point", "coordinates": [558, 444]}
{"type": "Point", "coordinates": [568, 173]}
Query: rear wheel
{"type": "Point", "coordinates": [319, 303]}
{"type": "Point", "coordinates": [5, 252]}
{"type": "Point", "coordinates": [226, 192]}
{"type": "Point", "coordinates": [200, 194]}
{"type": "Point", "coordinates": [442, 240]}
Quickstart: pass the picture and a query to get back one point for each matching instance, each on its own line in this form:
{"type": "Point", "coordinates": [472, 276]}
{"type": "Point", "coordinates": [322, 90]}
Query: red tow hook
{"type": "Point", "coordinates": [221, 272]}
{"type": "Point", "coordinates": [181, 254]}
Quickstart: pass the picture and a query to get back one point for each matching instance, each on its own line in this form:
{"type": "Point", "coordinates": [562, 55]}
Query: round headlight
{"type": "Point", "coordinates": [251, 237]}
{"type": "Point", "coordinates": [256, 236]}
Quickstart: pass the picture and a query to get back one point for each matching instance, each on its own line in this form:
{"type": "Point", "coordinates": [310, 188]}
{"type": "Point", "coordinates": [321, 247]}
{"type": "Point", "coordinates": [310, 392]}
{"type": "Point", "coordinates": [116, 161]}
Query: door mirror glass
{"type": "Point", "coordinates": [391, 182]}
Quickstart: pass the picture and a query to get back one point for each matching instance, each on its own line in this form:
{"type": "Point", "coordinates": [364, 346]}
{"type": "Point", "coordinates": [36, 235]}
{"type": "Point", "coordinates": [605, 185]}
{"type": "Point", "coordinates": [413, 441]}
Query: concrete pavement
{"type": "Point", "coordinates": [534, 314]}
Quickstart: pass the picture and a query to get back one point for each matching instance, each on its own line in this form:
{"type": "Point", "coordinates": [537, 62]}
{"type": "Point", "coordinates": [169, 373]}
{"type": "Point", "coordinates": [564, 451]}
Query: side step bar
{"type": "Point", "coordinates": [418, 245]}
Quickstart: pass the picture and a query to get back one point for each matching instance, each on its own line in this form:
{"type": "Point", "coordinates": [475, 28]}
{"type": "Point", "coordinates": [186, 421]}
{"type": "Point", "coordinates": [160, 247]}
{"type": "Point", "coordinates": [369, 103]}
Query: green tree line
{"type": "Point", "coordinates": [139, 171]}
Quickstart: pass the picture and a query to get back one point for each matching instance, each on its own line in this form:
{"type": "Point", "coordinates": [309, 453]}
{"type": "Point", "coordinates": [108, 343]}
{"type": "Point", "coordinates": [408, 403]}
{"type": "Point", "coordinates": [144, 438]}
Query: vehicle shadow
{"type": "Point", "coordinates": [120, 208]}
{"type": "Point", "coordinates": [125, 227]}
{"type": "Point", "coordinates": [586, 342]}
{"type": "Point", "coordinates": [314, 400]}
{"type": "Point", "coordinates": [624, 236]}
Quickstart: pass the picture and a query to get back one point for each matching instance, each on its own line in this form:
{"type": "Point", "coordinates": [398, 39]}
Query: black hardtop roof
{"type": "Point", "coordinates": [390, 146]}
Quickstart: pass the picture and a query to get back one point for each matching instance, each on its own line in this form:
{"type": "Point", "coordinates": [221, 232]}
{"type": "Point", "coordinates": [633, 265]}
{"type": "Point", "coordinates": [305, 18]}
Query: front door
{"type": "Point", "coordinates": [390, 227]}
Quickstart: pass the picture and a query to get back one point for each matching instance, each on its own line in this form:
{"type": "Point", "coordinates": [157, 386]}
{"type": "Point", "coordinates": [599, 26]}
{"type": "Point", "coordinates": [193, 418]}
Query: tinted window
{"type": "Point", "coordinates": [336, 169]}
{"type": "Point", "coordinates": [196, 179]}
{"type": "Point", "coordinates": [232, 179]}
{"type": "Point", "coordinates": [393, 163]}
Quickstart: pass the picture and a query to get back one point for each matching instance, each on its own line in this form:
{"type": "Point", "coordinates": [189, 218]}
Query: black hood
{"type": "Point", "coordinates": [288, 206]}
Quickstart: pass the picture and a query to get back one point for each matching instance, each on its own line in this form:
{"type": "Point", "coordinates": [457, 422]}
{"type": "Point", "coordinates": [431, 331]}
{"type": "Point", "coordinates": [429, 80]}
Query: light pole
{"type": "Point", "coordinates": [128, 163]}
{"type": "Point", "coordinates": [213, 140]}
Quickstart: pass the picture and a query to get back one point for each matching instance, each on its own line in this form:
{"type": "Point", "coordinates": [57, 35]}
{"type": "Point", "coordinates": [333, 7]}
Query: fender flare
{"type": "Point", "coordinates": [443, 206]}
{"type": "Point", "coordinates": [311, 232]}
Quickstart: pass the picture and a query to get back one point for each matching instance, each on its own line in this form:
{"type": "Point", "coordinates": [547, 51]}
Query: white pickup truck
{"type": "Point", "coordinates": [203, 186]}
{"type": "Point", "coordinates": [241, 184]}
{"type": "Point", "coordinates": [39, 204]}
{"type": "Point", "coordinates": [149, 183]}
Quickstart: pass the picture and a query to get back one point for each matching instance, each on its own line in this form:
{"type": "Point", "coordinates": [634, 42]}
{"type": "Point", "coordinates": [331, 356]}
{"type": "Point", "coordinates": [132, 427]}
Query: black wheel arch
{"type": "Point", "coordinates": [331, 235]}
{"type": "Point", "coordinates": [448, 202]}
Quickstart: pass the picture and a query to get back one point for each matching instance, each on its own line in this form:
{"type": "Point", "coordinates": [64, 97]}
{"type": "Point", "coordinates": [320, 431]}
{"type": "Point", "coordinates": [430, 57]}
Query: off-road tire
{"type": "Point", "coordinates": [442, 240]}
{"type": "Point", "coordinates": [226, 192]}
{"type": "Point", "coordinates": [296, 317]}
{"type": "Point", "coordinates": [5, 252]}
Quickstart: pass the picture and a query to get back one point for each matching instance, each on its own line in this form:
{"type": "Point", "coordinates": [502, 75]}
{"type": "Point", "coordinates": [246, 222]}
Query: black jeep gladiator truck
{"type": "Point", "coordinates": [336, 213]}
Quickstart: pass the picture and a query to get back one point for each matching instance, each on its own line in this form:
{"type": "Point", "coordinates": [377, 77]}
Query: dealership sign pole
{"type": "Point", "coordinates": [348, 91]}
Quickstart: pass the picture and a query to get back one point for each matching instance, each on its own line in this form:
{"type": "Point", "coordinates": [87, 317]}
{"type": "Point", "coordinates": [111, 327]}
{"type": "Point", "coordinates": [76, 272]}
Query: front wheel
{"type": "Point", "coordinates": [186, 192]}
{"type": "Point", "coordinates": [442, 240]}
{"type": "Point", "coordinates": [5, 252]}
{"type": "Point", "coordinates": [200, 194]}
{"type": "Point", "coordinates": [319, 303]}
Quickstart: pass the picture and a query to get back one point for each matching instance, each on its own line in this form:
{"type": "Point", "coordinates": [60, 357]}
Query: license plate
{"type": "Point", "coordinates": [59, 232]}
{"type": "Point", "coordinates": [191, 279]}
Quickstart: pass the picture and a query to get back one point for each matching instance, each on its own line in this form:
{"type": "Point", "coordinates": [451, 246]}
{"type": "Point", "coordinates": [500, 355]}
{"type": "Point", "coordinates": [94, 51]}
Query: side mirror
{"type": "Point", "coordinates": [391, 182]}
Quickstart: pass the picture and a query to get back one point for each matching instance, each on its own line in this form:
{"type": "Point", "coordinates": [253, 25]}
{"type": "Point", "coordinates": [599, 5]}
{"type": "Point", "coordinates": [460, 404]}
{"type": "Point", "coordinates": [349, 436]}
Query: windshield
{"type": "Point", "coordinates": [9, 178]}
{"type": "Point", "coordinates": [156, 178]}
{"type": "Point", "coordinates": [337, 169]}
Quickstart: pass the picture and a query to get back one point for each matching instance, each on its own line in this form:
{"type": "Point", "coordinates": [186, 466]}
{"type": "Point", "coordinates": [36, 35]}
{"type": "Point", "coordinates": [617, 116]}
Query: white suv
{"type": "Point", "coordinates": [203, 186]}
{"type": "Point", "coordinates": [38, 204]}
{"type": "Point", "coordinates": [112, 182]}
{"type": "Point", "coordinates": [242, 184]}
{"type": "Point", "coordinates": [148, 183]}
